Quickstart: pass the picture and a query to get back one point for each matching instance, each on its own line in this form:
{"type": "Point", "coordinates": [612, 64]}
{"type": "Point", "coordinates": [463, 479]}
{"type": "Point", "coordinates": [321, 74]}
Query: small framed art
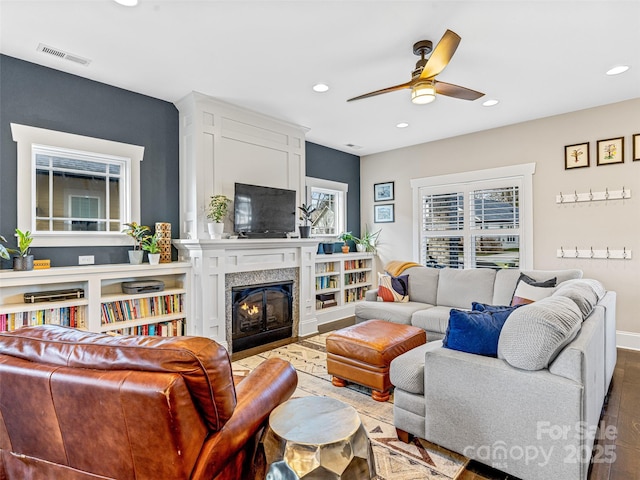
{"type": "Point", "coordinates": [383, 192]}
{"type": "Point", "coordinates": [576, 156]}
{"type": "Point", "coordinates": [384, 213]}
{"type": "Point", "coordinates": [636, 147]}
{"type": "Point", "coordinates": [611, 151]}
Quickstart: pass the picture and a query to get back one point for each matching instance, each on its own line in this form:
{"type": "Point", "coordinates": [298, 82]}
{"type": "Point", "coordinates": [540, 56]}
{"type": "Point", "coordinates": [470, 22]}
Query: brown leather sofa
{"type": "Point", "coordinates": [77, 406]}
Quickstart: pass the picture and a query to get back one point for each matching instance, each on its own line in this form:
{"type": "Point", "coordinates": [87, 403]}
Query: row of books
{"type": "Point", "coordinates": [355, 277]}
{"type": "Point", "coordinates": [325, 267]}
{"type": "Point", "coordinates": [326, 282]}
{"type": "Point", "coordinates": [355, 294]}
{"type": "Point", "coordinates": [354, 264]}
{"type": "Point", "coordinates": [73, 316]}
{"type": "Point", "coordinates": [173, 328]}
{"type": "Point", "coordinates": [133, 309]}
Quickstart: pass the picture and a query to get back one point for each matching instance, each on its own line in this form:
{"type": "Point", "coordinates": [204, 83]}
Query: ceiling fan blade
{"type": "Point", "coordinates": [441, 55]}
{"type": "Point", "coordinates": [451, 90]}
{"type": "Point", "coordinates": [384, 90]}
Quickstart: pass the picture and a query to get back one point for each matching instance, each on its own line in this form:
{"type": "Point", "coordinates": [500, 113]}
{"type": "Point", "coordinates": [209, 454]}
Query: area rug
{"type": "Point", "coordinates": [395, 460]}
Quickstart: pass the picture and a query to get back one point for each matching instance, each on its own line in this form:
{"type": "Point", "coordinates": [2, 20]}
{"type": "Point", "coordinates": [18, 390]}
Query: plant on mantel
{"type": "Point", "coordinates": [218, 206]}
{"type": "Point", "coordinates": [137, 232]}
{"type": "Point", "coordinates": [367, 242]}
{"type": "Point", "coordinates": [305, 215]}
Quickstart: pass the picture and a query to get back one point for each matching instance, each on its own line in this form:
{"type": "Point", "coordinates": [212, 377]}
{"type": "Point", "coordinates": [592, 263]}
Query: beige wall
{"type": "Point", "coordinates": [613, 224]}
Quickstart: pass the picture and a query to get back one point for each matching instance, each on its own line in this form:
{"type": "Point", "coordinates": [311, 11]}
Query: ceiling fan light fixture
{"type": "Point", "coordinates": [423, 92]}
{"type": "Point", "coordinates": [618, 70]}
{"type": "Point", "coordinates": [320, 87]}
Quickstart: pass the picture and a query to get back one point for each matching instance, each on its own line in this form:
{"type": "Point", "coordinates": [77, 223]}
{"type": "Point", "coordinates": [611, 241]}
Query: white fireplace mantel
{"type": "Point", "coordinates": [213, 259]}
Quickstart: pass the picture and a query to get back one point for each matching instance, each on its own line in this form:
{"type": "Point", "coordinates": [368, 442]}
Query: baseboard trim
{"type": "Point", "coordinates": [629, 340]}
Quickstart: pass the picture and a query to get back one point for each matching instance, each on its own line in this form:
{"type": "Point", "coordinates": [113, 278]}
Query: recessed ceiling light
{"type": "Point", "coordinates": [127, 3]}
{"type": "Point", "coordinates": [490, 103]}
{"type": "Point", "coordinates": [618, 70]}
{"type": "Point", "coordinates": [320, 87]}
{"type": "Point", "coordinates": [402, 125]}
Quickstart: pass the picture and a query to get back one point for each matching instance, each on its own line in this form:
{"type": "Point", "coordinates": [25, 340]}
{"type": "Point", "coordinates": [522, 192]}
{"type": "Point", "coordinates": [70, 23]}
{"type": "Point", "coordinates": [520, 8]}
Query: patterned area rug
{"type": "Point", "coordinates": [394, 459]}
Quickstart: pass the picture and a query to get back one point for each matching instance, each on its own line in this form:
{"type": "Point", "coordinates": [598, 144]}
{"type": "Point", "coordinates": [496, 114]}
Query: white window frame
{"type": "Point", "coordinates": [338, 187]}
{"type": "Point", "coordinates": [26, 137]}
{"type": "Point", "coordinates": [522, 173]}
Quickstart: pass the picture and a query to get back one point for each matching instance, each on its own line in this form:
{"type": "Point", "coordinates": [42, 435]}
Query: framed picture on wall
{"type": "Point", "coordinates": [636, 147]}
{"type": "Point", "coordinates": [576, 156]}
{"type": "Point", "coordinates": [383, 192]}
{"type": "Point", "coordinates": [611, 151]}
{"type": "Point", "coordinates": [384, 213]}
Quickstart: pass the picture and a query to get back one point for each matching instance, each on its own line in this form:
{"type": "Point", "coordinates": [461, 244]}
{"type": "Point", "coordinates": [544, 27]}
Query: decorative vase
{"type": "Point", "coordinates": [305, 231]}
{"type": "Point", "coordinates": [23, 263]}
{"type": "Point", "coordinates": [345, 248]}
{"type": "Point", "coordinates": [327, 248]}
{"type": "Point", "coordinates": [215, 230]}
{"type": "Point", "coordinates": [154, 258]}
{"type": "Point", "coordinates": [360, 247]}
{"type": "Point", "coordinates": [135, 257]}
{"type": "Point", "coordinates": [163, 231]}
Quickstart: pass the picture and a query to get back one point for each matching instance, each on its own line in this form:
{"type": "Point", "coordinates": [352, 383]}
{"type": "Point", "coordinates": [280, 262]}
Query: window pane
{"type": "Point", "coordinates": [494, 208]}
{"type": "Point", "coordinates": [496, 251]}
{"type": "Point", "coordinates": [443, 212]}
{"type": "Point", "coordinates": [443, 252]}
{"type": "Point", "coordinates": [324, 218]}
{"type": "Point", "coordinates": [82, 193]}
{"type": "Point", "coordinates": [42, 194]}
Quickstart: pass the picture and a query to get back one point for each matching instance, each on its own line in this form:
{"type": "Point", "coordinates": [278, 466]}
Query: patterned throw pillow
{"type": "Point", "coordinates": [393, 289]}
{"type": "Point", "coordinates": [529, 291]}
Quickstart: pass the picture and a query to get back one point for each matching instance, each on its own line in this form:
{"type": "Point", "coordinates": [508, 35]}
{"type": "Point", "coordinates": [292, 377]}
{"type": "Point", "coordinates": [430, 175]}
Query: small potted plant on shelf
{"type": "Point", "coordinates": [4, 252]}
{"type": "Point", "coordinates": [138, 233]}
{"type": "Point", "coordinates": [152, 247]}
{"type": "Point", "coordinates": [23, 261]}
{"type": "Point", "coordinates": [218, 206]}
{"type": "Point", "coordinates": [367, 242]}
{"type": "Point", "coordinates": [345, 237]}
{"type": "Point", "coordinates": [305, 216]}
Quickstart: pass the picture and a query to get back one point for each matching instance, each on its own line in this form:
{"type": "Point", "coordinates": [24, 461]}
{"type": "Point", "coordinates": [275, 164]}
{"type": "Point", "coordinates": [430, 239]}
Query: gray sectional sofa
{"type": "Point", "coordinates": [533, 410]}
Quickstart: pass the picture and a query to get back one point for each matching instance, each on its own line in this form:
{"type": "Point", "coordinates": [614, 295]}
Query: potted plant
{"type": "Point", "coordinates": [367, 242]}
{"type": "Point", "coordinates": [138, 233]}
{"type": "Point", "coordinates": [152, 247]}
{"type": "Point", "coordinates": [345, 237]}
{"type": "Point", "coordinates": [23, 260]}
{"type": "Point", "coordinates": [305, 216]}
{"type": "Point", "coordinates": [4, 252]}
{"type": "Point", "coordinates": [218, 206]}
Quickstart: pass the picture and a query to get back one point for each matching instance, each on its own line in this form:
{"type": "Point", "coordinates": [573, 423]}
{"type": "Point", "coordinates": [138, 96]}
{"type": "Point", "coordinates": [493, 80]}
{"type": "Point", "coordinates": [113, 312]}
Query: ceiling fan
{"type": "Point", "coordinates": [423, 83]}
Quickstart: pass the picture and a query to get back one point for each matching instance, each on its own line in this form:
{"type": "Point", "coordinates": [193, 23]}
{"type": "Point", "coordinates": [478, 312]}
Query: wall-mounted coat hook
{"type": "Point", "coordinates": [592, 196]}
{"type": "Point", "coordinates": [594, 253]}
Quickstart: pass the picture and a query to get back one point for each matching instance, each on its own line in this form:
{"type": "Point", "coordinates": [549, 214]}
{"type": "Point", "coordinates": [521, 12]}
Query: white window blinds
{"type": "Point", "coordinates": [475, 224]}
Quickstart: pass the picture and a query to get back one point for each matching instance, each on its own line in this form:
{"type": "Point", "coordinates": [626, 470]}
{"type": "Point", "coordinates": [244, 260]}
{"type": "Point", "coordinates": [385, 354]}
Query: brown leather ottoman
{"type": "Point", "coordinates": [363, 352]}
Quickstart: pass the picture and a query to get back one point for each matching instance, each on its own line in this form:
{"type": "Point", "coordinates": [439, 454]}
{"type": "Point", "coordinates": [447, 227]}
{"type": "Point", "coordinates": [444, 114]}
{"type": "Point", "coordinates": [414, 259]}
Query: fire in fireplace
{"type": "Point", "coordinates": [261, 314]}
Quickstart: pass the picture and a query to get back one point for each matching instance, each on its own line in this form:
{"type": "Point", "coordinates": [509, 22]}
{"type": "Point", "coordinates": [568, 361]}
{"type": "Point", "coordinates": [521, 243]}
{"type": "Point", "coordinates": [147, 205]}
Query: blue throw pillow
{"type": "Point", "coordinates": [477, 331]}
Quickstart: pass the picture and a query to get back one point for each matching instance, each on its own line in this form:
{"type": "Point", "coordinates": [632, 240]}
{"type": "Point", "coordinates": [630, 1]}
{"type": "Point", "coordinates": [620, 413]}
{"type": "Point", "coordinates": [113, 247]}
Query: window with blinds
{"type": "Point", "coordinates": [476, 224]}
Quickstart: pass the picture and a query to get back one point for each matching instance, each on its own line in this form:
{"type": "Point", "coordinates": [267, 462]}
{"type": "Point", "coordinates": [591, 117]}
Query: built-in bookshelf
{"type": "Point", "coordinates": [103, 306]}
{"type": "Point", "coordinates": [341, 280]}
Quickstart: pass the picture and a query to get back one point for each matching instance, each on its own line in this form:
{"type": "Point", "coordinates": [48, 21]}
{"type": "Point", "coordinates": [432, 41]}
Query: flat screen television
{"type": "Point", "coordinates": [264, 211]}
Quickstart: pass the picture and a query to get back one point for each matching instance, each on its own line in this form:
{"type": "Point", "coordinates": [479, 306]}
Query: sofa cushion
{"type": "Point", "coordinates": [423, 284]}
{"type": "Point", "coordinates": [529, 290]}
{"type": "Point", "coordinates": [393, 289]}
{"type": "Point", "coordinates": [477, 331]}
{"type": "Point", "coordinates": [586, 293]}
{"type": "Point", "coordinates": [534, 334]}
{"type": "Point", "coordinates": [389, 311]}
{"type": "Point", "coordinates": [434, 319]}
{"type": "Point", "coordinates": [407, 370]}
{"type": "Point", "coordinates": [506, 279]}
{"type": "Point", "coordinates": [458, 288]}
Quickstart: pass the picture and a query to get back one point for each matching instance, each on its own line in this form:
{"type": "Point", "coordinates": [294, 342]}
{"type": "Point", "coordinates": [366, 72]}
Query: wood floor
{"type": "Point", "coordinates": [622, 411]}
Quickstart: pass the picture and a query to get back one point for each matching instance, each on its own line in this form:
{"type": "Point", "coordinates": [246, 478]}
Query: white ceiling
{"type": "Point", "coordinates": [539, 58]}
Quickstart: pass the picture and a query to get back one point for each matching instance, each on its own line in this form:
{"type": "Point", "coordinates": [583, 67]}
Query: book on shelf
{"type": "Point", "coordinates": [134, 309]}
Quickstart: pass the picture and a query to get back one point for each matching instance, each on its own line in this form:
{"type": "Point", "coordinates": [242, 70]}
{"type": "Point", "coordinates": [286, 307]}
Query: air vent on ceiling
{"type": "Point", "coordinates": [353, 145]}
{"type": "Point", "coordinates": [56, 52]}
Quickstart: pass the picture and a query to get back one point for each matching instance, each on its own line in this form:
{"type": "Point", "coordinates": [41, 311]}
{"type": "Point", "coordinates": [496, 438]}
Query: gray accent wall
{"type": "Point", "coordinates": [46, 98]}
{"type": "Point", "coordinates": [329, 164]}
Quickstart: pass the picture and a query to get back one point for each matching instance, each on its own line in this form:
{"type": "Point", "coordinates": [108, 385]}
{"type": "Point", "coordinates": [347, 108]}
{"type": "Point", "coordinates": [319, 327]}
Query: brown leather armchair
{"type": "Point", "coordinates": [76, 405]}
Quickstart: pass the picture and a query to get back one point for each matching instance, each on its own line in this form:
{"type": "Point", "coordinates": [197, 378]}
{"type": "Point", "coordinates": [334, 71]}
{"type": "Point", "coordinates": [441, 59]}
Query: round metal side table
{"type": "Point", "coordinates": [317, 438]}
